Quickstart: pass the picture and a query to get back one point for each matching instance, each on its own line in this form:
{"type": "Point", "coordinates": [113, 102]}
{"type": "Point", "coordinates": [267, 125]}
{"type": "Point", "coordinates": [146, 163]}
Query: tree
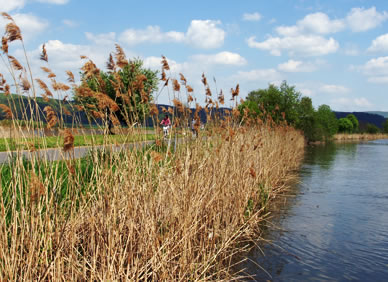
{"type": "Point", "coordinates": [353, 119]}
{"type": "Point", "coordinates": [121, 93]}
{"type": "Point", "coordinates": [372, 129]}
{"type": "Point", "coordinates": [385, 126]}
{"type": "Point", "coordinates": [281, 103]}
{"type": "Point", "coordinates": [327, 124]}
{"type": "Point", "coordinates": [307, 119]}
{"type": "Point", "coordinates": [345, 125]}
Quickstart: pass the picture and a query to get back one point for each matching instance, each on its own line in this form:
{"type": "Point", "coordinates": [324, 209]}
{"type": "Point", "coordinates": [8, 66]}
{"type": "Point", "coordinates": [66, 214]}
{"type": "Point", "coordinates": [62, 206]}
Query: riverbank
{"type": "Point", "coordinates": [145, 215]}
{"type": "Point", "coordinates": [359, 136]}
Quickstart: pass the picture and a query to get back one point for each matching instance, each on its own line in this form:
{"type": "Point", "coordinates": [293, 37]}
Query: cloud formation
{"type": "Point", "coordinates": [204, 34]}
{"type": "Point", "coordinates": [380, 44]}
{"type": "Point", "coordinates": [297, 66]}
{"type": "Point", "coordinates": [302, 45]}
{"type": "Point", "coordinates": [306, 37]}
{"type": "Point", "coordinates": [253, 17]}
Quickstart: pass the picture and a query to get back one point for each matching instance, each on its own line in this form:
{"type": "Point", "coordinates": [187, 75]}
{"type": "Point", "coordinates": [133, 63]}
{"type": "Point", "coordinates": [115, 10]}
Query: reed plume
{"type": "Point", "coordinates": [12, 31]}
{"type": "Point", "coordinates": [68, 140]}
{"type": "Point", "coordinates": [43, 55]}
{"type": "Point", "coordinates": [7, 111]}
{"type": "Point", "coordinates": [121, 60]}
{"type": "Point", "coordinates": [176, 85]}
{"type": "Point", "coordinates": [51, 117]}
{"type": "Point", "coordinates": [70, 77]}
{"type": "Point", "coordinates": [15, 63]}
{"type": "Point", "coordinates": [165, 65]}
{"type": "Point", "coordinates": [4, 44]}
{"type": "Point", "coordinates": [110, 64]}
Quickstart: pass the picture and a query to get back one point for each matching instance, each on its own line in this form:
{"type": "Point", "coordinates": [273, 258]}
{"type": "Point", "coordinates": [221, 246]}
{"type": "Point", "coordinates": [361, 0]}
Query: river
{"type": "Point", "coordinates": [334, 224]}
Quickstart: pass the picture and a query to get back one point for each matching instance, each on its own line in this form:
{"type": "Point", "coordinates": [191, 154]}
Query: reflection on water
{"type": "Point", "coordinates": [336, 226]}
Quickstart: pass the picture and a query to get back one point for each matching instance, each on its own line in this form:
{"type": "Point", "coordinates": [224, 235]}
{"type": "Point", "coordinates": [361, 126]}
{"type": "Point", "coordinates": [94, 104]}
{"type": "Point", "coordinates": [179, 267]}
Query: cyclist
{"type": "Point", "coordinates": [166, 125]}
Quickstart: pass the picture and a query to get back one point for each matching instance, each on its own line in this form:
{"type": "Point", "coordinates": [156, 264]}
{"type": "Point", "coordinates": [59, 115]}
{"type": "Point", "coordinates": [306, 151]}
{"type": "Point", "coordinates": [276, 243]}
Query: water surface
{"type": "Point", "coordinates": [335, 227]}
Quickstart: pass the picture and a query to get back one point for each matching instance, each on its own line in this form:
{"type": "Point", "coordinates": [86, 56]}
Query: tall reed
{"type": "Point", "coordinates": [151, 213]}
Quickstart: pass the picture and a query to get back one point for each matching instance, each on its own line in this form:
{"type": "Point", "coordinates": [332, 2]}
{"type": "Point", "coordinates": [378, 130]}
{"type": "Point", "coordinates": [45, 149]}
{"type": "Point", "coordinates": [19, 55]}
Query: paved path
{"type": "Point", "coordinates": [55, 154]}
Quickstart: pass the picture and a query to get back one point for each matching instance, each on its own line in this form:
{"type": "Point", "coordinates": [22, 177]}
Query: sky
{"type": "Point", "coordinates": [334, 51]}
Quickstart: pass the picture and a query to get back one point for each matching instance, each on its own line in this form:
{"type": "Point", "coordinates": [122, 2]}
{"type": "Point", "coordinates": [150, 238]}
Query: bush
{"type": "Point", "coordinates": [372, 129]}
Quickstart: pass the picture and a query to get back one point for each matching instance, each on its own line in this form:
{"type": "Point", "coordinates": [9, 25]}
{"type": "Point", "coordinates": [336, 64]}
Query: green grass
{"type": "Point", "coordinates": [13, 144]}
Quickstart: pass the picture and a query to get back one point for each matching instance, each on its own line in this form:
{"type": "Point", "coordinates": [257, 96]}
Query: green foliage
{"type": "Point", "coordinates": [385, 126]}
{"type": "Point", "coordinates": [307, 119]}
{"type": "Point", "coordinates": [372, 129]}
{"type": "Point", "coordinates": [353, 119]}
{"type": "Point", "coordinates": [345, 125]}
{"type": "Point", "coordinates": [130, 98]}
{"type": "Point", "coordinates": [284, 103]}
{"type": "Point", "coordinates": [327, 124]}
{"type": "Point", "coordinates": [275, 101]}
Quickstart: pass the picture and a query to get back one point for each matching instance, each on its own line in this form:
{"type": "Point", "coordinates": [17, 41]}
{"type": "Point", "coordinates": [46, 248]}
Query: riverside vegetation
{"type": "Point", "coordinates": [161, 212]}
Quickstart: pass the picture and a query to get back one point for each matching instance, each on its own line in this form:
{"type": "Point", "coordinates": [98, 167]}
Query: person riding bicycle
{"type": "Point", "coordinates": [166, 124]}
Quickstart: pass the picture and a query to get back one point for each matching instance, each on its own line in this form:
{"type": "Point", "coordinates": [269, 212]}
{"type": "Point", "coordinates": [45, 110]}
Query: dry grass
{"type": "Point", "coordinates": [150, 214]}
{"type": "Point", "coordinates": [363, 136]}
{"type": "Point", "coordinates": [161, 218]}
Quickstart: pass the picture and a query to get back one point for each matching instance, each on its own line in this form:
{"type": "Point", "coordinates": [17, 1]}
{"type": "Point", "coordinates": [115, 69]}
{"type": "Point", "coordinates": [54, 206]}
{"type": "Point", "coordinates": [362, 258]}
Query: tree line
{"type": "Point", "coordinates": [286, 104]}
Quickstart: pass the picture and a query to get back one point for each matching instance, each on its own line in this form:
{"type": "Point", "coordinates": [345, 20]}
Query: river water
{"type": "Point", "coordinates": [334, 224]}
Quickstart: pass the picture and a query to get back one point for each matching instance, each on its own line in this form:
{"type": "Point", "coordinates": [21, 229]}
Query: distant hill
{"type": "Point", "coordinates": [364, 118]}
{"type": "Point", "coordinates": [22, 107]}
{"type": "Point", "coordinates": [384, 114]}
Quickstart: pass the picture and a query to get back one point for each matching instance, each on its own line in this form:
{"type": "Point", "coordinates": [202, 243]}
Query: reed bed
{"type": "Point", "coordinates": [161, 212]}
{"type": "Point", "coordinates": [359, 136]}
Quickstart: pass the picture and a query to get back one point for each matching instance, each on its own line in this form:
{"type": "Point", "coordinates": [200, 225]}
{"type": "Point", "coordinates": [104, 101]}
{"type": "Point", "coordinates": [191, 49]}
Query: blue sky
{"type": "Point", "coordinates": [334, 51]}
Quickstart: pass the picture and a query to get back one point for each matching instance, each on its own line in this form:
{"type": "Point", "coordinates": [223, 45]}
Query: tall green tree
{"type": "Point", "coordinates": [281, 103]}
{"type": "Point", "coordinates": [307, 119]}
{"type": "Point", "coordinates": [327, 124]}
{"type": "Point", "coordinates": [355, 125]}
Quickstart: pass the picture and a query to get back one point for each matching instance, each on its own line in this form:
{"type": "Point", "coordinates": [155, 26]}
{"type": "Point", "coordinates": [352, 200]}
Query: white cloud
{"type": "Point", "coordinates": [351, 50]}
{"type": "Point", "coordinates": [58, 2]}
{"type": "Point", "coordinates": [154, 63]}
{"type": "Point", "coordinates": [200, 34]}
{"type": "Point", "coordinates": [254, 17]}
{"type": "Point", "coordinates": [205, 34]}
{"type": "Point", "coordinates": [222, 58]}
{"type": "Point", "coordinates": [376, 66]}
{"type": "Point", "coordinates": [317, 23]}
{"type": "Point", "coordinates": [360, 19]}
{"type": "Point", "coordinates": [66, 56]}
{"type": "Point", "coordinates": [334, 89]}
{"type": "Point", "coordinates": [351, 104]}
{"type": "Point", "coordinates": [378, 79]}
{"type": "Point", "coordinates": [151, 34]}
{"type": "Point", "coordinates": [379, 44]}
{"type": "Point", "coordinates": [29, 24]}
{"type": "Point", "coordinates": [10, 5]}
{"type": "Point", "coordinates": [102, 38]}
{"type": "Point", "coordinates": [267, 75]}
{"type": "Point", "coordinates": [304, 45]}
{"type": "Point", "coordinates": [376, 70]}
{"type": "Point", "coordinates": [69, 23]}
{"type": "Point", "coordinates": [297, 66]}
{"type": "Point", "coordinates": [307, 92]}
